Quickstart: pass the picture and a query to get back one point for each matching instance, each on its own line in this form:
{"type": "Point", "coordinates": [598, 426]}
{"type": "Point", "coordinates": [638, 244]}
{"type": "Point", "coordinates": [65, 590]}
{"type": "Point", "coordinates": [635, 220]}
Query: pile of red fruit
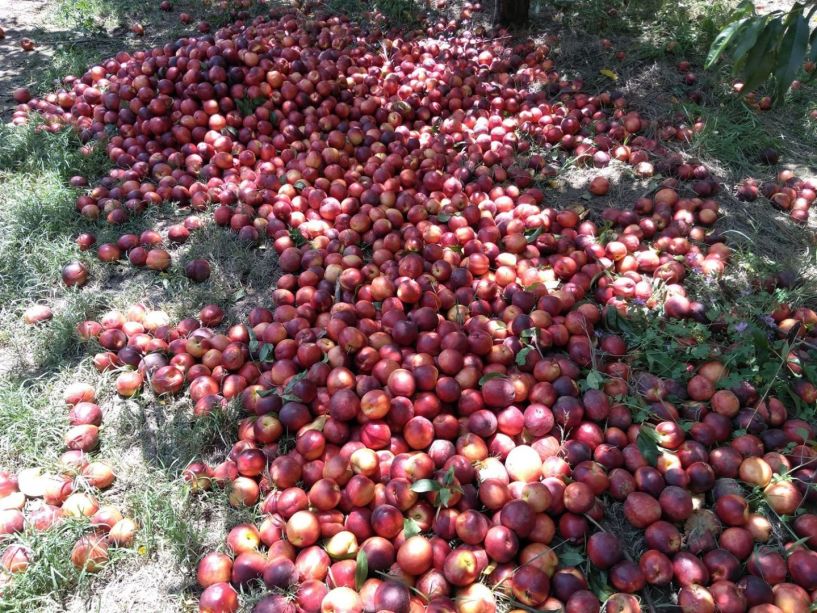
{"type": "Point", "coordinates": [41, 500]}
{"type": "Point", "coordinates": [308, 124]}
{"type": "Point", "coordinates": [789, 193]}
{"type": "Point", "coordinates": [422, 431]}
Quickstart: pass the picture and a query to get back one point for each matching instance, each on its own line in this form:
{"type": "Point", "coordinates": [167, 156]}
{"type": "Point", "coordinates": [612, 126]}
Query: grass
{"type": "Point", "coordinates": [658, 26]}
{"type": "Point", "coordinates": [402, 14]}
{"type": "Point", "coordinates": [147, 440]}
{"type": "Point", "coordinates": [733, 135]}
{"type": "Point", "coordinates": [112, 16]}
{"type": "Point", "coordinates": [38, 215]}
{"type": "Point", "coordinates": [51, 575]}
{"type": "Point", "coordinates": [32, 421]}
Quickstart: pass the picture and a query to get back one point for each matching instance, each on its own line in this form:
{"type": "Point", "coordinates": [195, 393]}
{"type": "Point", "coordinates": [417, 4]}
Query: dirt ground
{"type": "Point", "coordinates": [22, 19]}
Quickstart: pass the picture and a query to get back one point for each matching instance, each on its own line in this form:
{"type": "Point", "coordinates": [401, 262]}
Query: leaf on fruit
{"type": "Point", "coordinates": [450, 477]}
{"type": "Point", "coordinates": [647, 445]}
{"type": "Point", "coordinates": [266, 352]}
{"type": "Point", "coordinates": [491, 375]}
{"type": "Point", "coordinates": [571, 556]}
{"type": "Point", "coordinates": [295, 379]}
{"type": "Point", "coordinates": [444, 497]}
{"type": "Point", "coordinates": [410, 527]}
{"type": "Point", "coordinates": [317, 424]}
{"type": "Point", "coordinates": [597, 581]}
{"type": "Point", "coordinates": [595, 379]}
{"type": "Point", "coordinates": [533, 233]}
{"type": "Point", "coordinates": [422, 486]}
{"type": "Point", "coordinates": [361, 569]}
{"type": "Point", "coordinates": [522, 356]}
{"type": "Point", "coordinates": [253, 345]}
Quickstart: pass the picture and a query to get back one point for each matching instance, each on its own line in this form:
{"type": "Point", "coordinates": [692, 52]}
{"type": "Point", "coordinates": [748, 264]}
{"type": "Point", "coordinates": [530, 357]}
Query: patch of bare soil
{"type": "Point", "coordinates": [22, 19]}
{"type": "Point", "coordinates": [157, 586]}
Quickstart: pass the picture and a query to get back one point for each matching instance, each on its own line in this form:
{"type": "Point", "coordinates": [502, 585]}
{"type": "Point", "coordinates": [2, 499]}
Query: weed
{"type": "Point", "coordinates": [167, 512]}
{"type": "Point", "coordinates": [50, 574]}
{"type": "Point", "coordinates": [391, 13]}
{"type": "Point", "coordinates": [31, 421]}
{"type": "Point", "coordinates": [732, 136]}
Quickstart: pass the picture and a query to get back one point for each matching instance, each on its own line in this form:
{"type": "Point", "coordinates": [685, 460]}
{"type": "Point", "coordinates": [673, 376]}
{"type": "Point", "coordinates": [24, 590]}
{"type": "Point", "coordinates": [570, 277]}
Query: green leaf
{"type": "Point", "coordinates": [266, 351]}
{"type": "Point", "coordinates": [450, 477]}
{"type": "Point", "coordinates": [763, 57]}
{"type": "Point", "coordinates": [422, 486]}
{"type": "Point", "coordinates": [701, 351]}
{"type": "Point", "coordinates": [491, 375]}
{"type": "Point", "coordinates": [571, 556]}
{"type": "Point", "coordinates": [812, 55]}
{"type": "Point", "coordinates": [291, 383]}
{"type": "Point", "coordinates": [761, 343]}
{"type": "Point", "coordinates": [522, 356]}
{"type": "Point", "coordinates": [361, 569]}
{"type": "Point", "coordinates": [647, 445]}
{"type": "Point", "coordinates": [410, 527]}
{"type": "Point", "coordinates": [723, 39]}
{"type": "Point", "coordinates": [595, 379]}
{"type": "Point", "coordinates": [533, 233]}
{"type": "Point", "coordinates": [443, 217]}
{"type": "Point", "coordinates": [253, 346]}
{"type": "Point", "coordinates": [597, 581]}
{"type": "Point", "coordinates": [747, 40]}
{"type": "Point", "coordinates": [444, 497]}
{"type": "Point", "coordinates": [792, 52]}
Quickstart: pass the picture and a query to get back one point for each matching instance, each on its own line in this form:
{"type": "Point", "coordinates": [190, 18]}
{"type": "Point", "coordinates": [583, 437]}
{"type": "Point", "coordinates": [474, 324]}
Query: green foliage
{"type": "Point", "coordinates": [683, 27]}
{"type": "Point", "coordinates": [767, 48]}
{"type": "Point", "coordinates": [51, 573]}
{"type": "Point", "coordinates": [741, 336]}
{"type": "Point", "coordinates": [404, 14]}
{"type": "Point", "coordinates": [733, 134]}
{"type": "Point", "coordinates": [442, 491]}
{"type": "Point", "coordinates": [361, 569]}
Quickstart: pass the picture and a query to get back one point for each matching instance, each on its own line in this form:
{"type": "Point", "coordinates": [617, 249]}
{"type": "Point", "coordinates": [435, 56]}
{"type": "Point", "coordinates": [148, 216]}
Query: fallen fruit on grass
{"type": "Point", "coordinates": [36, 314]}
{"type": "Point", "coordinates": [197, 270]}
{"type": "Point", "coordinates": [123, 532]}
{"type": "Point", "coordinates": [15, 558]}
{"type": "Point", "coordinates": [75, 274]}
{"type": "Point", "coordinates": [90, 553]}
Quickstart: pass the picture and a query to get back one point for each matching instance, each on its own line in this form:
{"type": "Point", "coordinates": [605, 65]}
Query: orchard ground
{"type": "Point", "coordinates": [635, 49]}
